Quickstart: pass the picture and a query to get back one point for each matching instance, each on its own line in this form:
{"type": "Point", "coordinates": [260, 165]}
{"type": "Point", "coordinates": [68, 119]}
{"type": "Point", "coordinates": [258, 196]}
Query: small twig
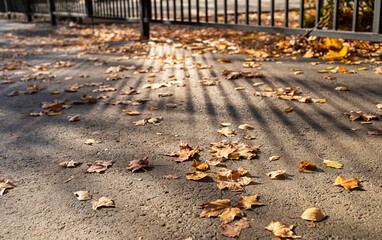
{"type": "Point", "coordinates": [328, 188]}
{"type": "Point", "coordinates": [319, 156]}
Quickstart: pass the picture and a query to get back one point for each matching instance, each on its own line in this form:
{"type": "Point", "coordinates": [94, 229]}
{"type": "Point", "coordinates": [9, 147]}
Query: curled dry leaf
{"type": "Point", "coordinates": [332, 164]}
{"type": "Point", "coordinates": [98, 166]}
{"type": "Point", "coordinates": [376, 132]}
{"type": "Point", "coordinates": [226, 132]}
{"type": "Point", "coordinates": [245, 127]}
{"type": "Point", "coordinates": [132, 113]}
{"type": "Point", "coordinates": [154, 121]}
{"type": "Point", "coordinates": [196, 175]}
{"type": "Point", "coordinates": [305, 165]}
{"type": "Point", "coordinates": [348, 184]}
{"type": "Point", "coordinates": [69, 164]}
{"type": "Point", "coordinates": [274, 158]}
{"type": "Point", "coordinates": [379, 105]}
{"type": "Point", "coordinates": [225, 124]}
{"type": "Point", "coordinates": [235, 229]}
{"type": "Point", "coordinates": [281, 230]}
{"type": "Point", "coordinates": [342, 88]}
{"type": "Point", "coordinates": [74, 118]}
{"type": "Point", "coordinates": [165, 94]}
{"type": "Point", "coordinates": [185, 153]}
{"type": "Point", "coordinates": [221, 208]}
{"type": "Point", "coordinates": [233, 180]}
{"type": "Point", "coordinates": [137, 164]}
{"type": "Point", "coordinates": [171, 105]}
{"type": "Point", "coordinates": [4, 185]}
{"type": "Point", "coordinates": [90, 141]}
{"type": "Point", "coordinates": [103, 202]}
{"type": "Point", "coordinates": [171, 176]}
{"type": "Point", "coordinates": [248, 137]}
{"type": "Point", "coordinates": [313, 214]}
{"type": "Point", "coordinates": [83, 195]}
{"type": "Point", "coordinates": [232, 150]}
{"type": "Point", "coordinates": [277, 175]}
{"type": "Point", "coordinates": [199, 166]}
{"type": "Point", "coordinates": [214, 161]}
{"type": "Point", "coordinates": [247, 202]}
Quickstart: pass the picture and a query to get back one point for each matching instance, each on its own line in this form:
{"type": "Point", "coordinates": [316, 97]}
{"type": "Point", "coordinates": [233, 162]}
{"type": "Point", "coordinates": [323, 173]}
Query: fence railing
{"type": "Point", "coordinates": [350, 19]}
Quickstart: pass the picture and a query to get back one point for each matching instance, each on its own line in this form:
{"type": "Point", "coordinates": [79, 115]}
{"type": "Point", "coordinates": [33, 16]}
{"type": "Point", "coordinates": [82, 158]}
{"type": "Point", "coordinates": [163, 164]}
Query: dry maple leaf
{"type": "Point", "coordinates": [98, 166]}
{"type": "Point", "coordinates": [348, 184]}
{"type": "Point", "coordinates": [185, 153]}
{"type": "Point", "coordinates": [103, 202]}
{"type": "Point", "coordinates": [304, 165]}
{"type": "Point", "coordinates": [4, 185]}
{"type": "Point", "coordinates": [69, 164]}
{"type": "Point", "coordinates": [213, 161]}
{"type": "Point", "coordinates": [196, 175]}
{"type": "Point", "coordinates": [83, 195]}
{"type": "Point", "coordinates": [137, 164]}
{"type": "Point", "coordinates": [281, 230]}
{"type": "Point", "coordinates": [247, 202]}
{"type": "Point", "coordinates": [226, 132]}
{"type": "Point", "coordinates": [235, 229]}
{"type": "Point", "coordinates": [221, 208]}
{"type": "Point", "coordinates": [132, 91]}
{"type": "Point", "coordinates": [313, 214]}
{"type": "Point", "coordinates": [235, 185]}
{"type": "Point", "coordinates": [332, 164]}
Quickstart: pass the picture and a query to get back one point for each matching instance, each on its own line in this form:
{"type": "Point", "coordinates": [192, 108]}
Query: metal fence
{"type": "Point", "coordinates": [351, 19]}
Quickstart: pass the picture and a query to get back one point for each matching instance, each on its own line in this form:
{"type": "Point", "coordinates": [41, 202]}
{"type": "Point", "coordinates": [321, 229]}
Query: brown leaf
{"type": "Point", "coordinates": [247, 202]}
{"type": "Point", "coordinates": [278, 175]}
{"type": "Point", "coordinates": [185, 153]}
{"type": "Point", "coordinates": [221, 208]}
{"type": "Point", "coordinates": [69, 164]}
{"type": "Point", "coordinates": [281, 230]}
{"type": "Point", "coordinates": [304, 165]}
{"type": "Point", "coordinates": [235, 185]}
{"type": "Point", "coordinates": [83, 195]}
{"type": "Point", "coordinates": [235, 229]}
{"type": "Point", "coordinates": [131, 113]}
{"type": "Point", "coordinates": [165, 94]}
{"type": "Point", "coordinates": [4, 185]}
{"type": "Point", "coordinates": [132, 91]}
{"type": "Point", "coordinates": [214, 162]}
{"type": "Point", "coordinates": [226, 132]}
{"type": "Point", "coordinates": [199, 166]}
{"type": "Point", "coordinates": [348, 184]}
{"type": "Point", "coordinates": [74, 118]}
{"type": "Point", "coordinates": [196, 175]}
{"type": "Point", "coordinates": [248, 137]}
{"type": "Point", "coordinates": [171, 176]}
{"type": "Point", "coordinates": [313, 214]}
{"type": "Point", "coordinates": [103, 202]}
{"type": "Point", "coordinates": [98, 166]}
{"type": "Point", "coordinates": [137, 164]}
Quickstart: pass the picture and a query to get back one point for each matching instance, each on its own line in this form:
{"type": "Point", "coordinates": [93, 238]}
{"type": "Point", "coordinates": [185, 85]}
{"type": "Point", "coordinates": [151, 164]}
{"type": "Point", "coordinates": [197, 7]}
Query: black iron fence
{"type": "Point", "coordinates": [351, 19]}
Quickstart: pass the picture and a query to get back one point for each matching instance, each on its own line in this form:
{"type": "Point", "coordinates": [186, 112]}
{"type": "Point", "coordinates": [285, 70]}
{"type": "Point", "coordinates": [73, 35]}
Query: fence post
{"type": "Point", "coordinates": [52, 9]}
{"type": "Point", "coordinates": [377, 21]}
{"type": "Point", "coordinates": [28, 10]}
{"type": "Point", "coordinates": [6, 6]}
{"type": "Point", "coordinates": [89, 8]}
{"type": "Point", "coordinates": [145, 12]}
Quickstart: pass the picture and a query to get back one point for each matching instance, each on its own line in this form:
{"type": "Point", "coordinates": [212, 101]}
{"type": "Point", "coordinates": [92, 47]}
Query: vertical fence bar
{"type": "Point", "coordinates": [355, 16]}
{"type": "Point", "coordinates": [197, 11]}
{"type": "Point", "coordinates": [286, 13]}
{"type": "Point", "coordinates": [377, 20]}
{"type": "Point", "coordinates": [206, 10]}
{"type": "Point", "coordinates": [235, 12]}
{"type": "Point", "coordinates": [335, 14]}
{"type": "Point", "coordinates": [161, 10]}
{"type": "Point", "coordinates": [189, 11]}
{"type": "Point", "coordinates": [168, 9]}
{"type": "Point", "coordinates": [128, 9]}
{"type": "Point", "coordinates": [89, 8]}
{"type": "Point", "coordinates": [138, 8]}
{"type": "Point", "coordinates": [259, 12]}
{"type": "Point", "coordinates": [132, 8]}
{"type": "Point", "coordinates": [247, 12]}
{"type": "Point", "coordinates": [225, 12]}
{"type": "Point", "coordinates": [174, 10]}
{"type": "Point", "coordinates": [144, 7]}
{"type": "Point", "coordinates": [272, 13]}
{"type": "Point", "coordinates": [155, 10]}
{"type": "Point", "coordinates": [124, 9]}
{"type": "Point", "coordinates": [318, 11]}
{"type": "Point", "coordinates": [216, 11]}
{"type": "Point", "coordinates": [6, 6]}
{"type": "Point", "coordinates": [181, 11]}
{"type": "Point", "coordinates": [28, 10]}
{"type": "Point", "coordinates": [302, 13]}
{"type": "Point", "coordinates": [52, 9]}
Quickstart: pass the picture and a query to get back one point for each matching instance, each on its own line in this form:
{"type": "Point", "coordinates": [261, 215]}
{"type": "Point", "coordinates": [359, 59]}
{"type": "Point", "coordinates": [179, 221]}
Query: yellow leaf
{"type": "Point", "coordinates": [221, 208]}
{"type": "Point", "coordinates": [288, 109]}
{"type": "Point", "coordinates": [332, 55]}
{"type": "Point", "coordinates": [54, 92]}
{"type": "Point", "coordinates": [131, 112]}
{"type": "Point", "coordinates": [246, 127]}
{"type": "Point", "coordinates": [196, 175]}
{"type": "Point", "coordinates": [247, 202]}
{"type": "Point", "coordinates": [362, 69]}
{"type": "Point", "coordinates": [348, 184]}
{"type": "Point", "coordinates": [199, 166]}
{"type": "Point", "coordinates": [333, 42]}
{"type": "Point", "coordinates": [54, 113]}
{"type": "Point", "coordinates": [313, 214]}
{"type": "Point", "coordinates": [332, 164]}
{"type": "Point", "coordinates": [274, 158]}
{"type": "Point", "coordinates": [342, 88]}
{"type": "Point", "coordinates": [225, 124]}
{"type": "Point", "coordinates": [322, 71]}
{"type": "Point", "coordinates": [239, 88]}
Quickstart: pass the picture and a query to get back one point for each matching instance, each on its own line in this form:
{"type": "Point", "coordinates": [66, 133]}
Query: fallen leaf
{"type": "Point", "coordinates": [341, 88]}
{"type": "Point", "coordinates": [132, 113]}
{"type": "Point", "coordinates": [376, 132]}
{"type": "Point", "coordinates": [348, 184]}
{"type": "Point", "coordinates": [98, 166]}
{"type": "Point", "coordinates": [281, 230]}
{"type": "Point", "coordinates": [378, 70]}
{"type": "Point", "coordinates": [288, 109]}
{"type": "Point", "coordinates": [245, 127]}
{"type": "Point", "coordinates": [137, 164]}
{"type": "Point", "coordinates": [132, 91]}
{"type": "Point", "coordinates": [233, 180]}
{"type": "Point", "coordinates": [258, 84]}
{"type": "Point", "coordinates": [196, 175]}
{"type": "Point", "coordinates": [313, 214]}
{"type": "Point", "coordinates": [332, 164]}
{"type": "Point", "coordinates": [171, 176]}
{"type": "Point", "coordinates": [199, 166]}
{"type": "Point", "coordinates": [232, 150]}
{"type": "Point", "coordinates": [69, 164]}
{"type": "Point", "coordinates": [332, 55]}
{"type": "Point", "coordinates": [329, 77]}
{"type": "Point", "coordinates": [171, 105]}
{"type": "Point", "coordinates": [277, 175]}
{"type": "Point", "coordinates": [214, 162]}
{"type": "Point", "coordinates": [274, 158]}
{"type": "Point", "coordinates": [341, 69]}
{"type": "Point", "coordinates": [221, 208]}
{"type": "Point", "coordinates": [90, 141]}
{"type": "Point", "coordinates": [225, 124]}
{"type": "Point", "coordinates": [249, 137]}
{"type": "Point", "coordinates": [239, 88]}
{"type": "Point", "coordinates": [83, 195]}
{"type": "Point", "coordinates": [74, 118]}
{"type": "Point", "coordinates": [247, 202]}
{"type": "Point", "coordinates": [379, 105]}
{"type": "Point", "coordinates": [235, 229]}
{"type": "Point", "coordinates": [185, 153]}
{"type": "Point", "coordinates": [165, 94]}
{"type": "Point", "coordinates": [103, 202]}
{"type": "Point", "coordinates": [305, 165]}
{"type": "Point", "coordinates": [226, 132]}
{"type": "Point", "coordinates": [4, 185]}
